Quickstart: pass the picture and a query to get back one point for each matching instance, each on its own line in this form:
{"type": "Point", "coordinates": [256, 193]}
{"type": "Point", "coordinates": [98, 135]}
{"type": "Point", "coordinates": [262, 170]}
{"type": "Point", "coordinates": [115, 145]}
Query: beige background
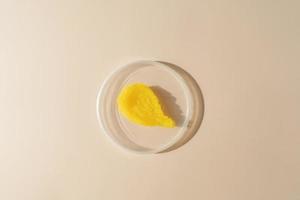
{"type": "Point", "coordinates": [244, 55]}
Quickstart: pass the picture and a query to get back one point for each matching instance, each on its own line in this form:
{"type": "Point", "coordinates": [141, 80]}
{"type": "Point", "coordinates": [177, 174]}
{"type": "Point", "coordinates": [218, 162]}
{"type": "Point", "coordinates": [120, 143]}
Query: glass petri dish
{"type": "Point", "coordinates": [179, 94]}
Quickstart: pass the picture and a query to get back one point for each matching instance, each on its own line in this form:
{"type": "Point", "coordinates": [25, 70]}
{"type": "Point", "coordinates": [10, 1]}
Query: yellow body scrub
{"type": "Point", "coordinates": [139, 104]}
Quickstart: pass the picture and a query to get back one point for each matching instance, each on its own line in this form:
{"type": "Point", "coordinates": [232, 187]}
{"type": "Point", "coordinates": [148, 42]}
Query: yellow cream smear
{"type": "Point", "coordinates": [139, 104]}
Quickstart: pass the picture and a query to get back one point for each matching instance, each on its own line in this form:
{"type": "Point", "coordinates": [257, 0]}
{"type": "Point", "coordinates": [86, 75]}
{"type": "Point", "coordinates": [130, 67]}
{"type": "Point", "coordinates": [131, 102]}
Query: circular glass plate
{"type": "Point", "coordinates": [180, 97]}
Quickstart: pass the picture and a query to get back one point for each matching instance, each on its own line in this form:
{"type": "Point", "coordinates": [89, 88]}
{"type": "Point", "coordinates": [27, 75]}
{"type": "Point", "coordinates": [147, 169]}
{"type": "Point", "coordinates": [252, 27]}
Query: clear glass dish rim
{"type": "Point", "coordinates": [171, 142]}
